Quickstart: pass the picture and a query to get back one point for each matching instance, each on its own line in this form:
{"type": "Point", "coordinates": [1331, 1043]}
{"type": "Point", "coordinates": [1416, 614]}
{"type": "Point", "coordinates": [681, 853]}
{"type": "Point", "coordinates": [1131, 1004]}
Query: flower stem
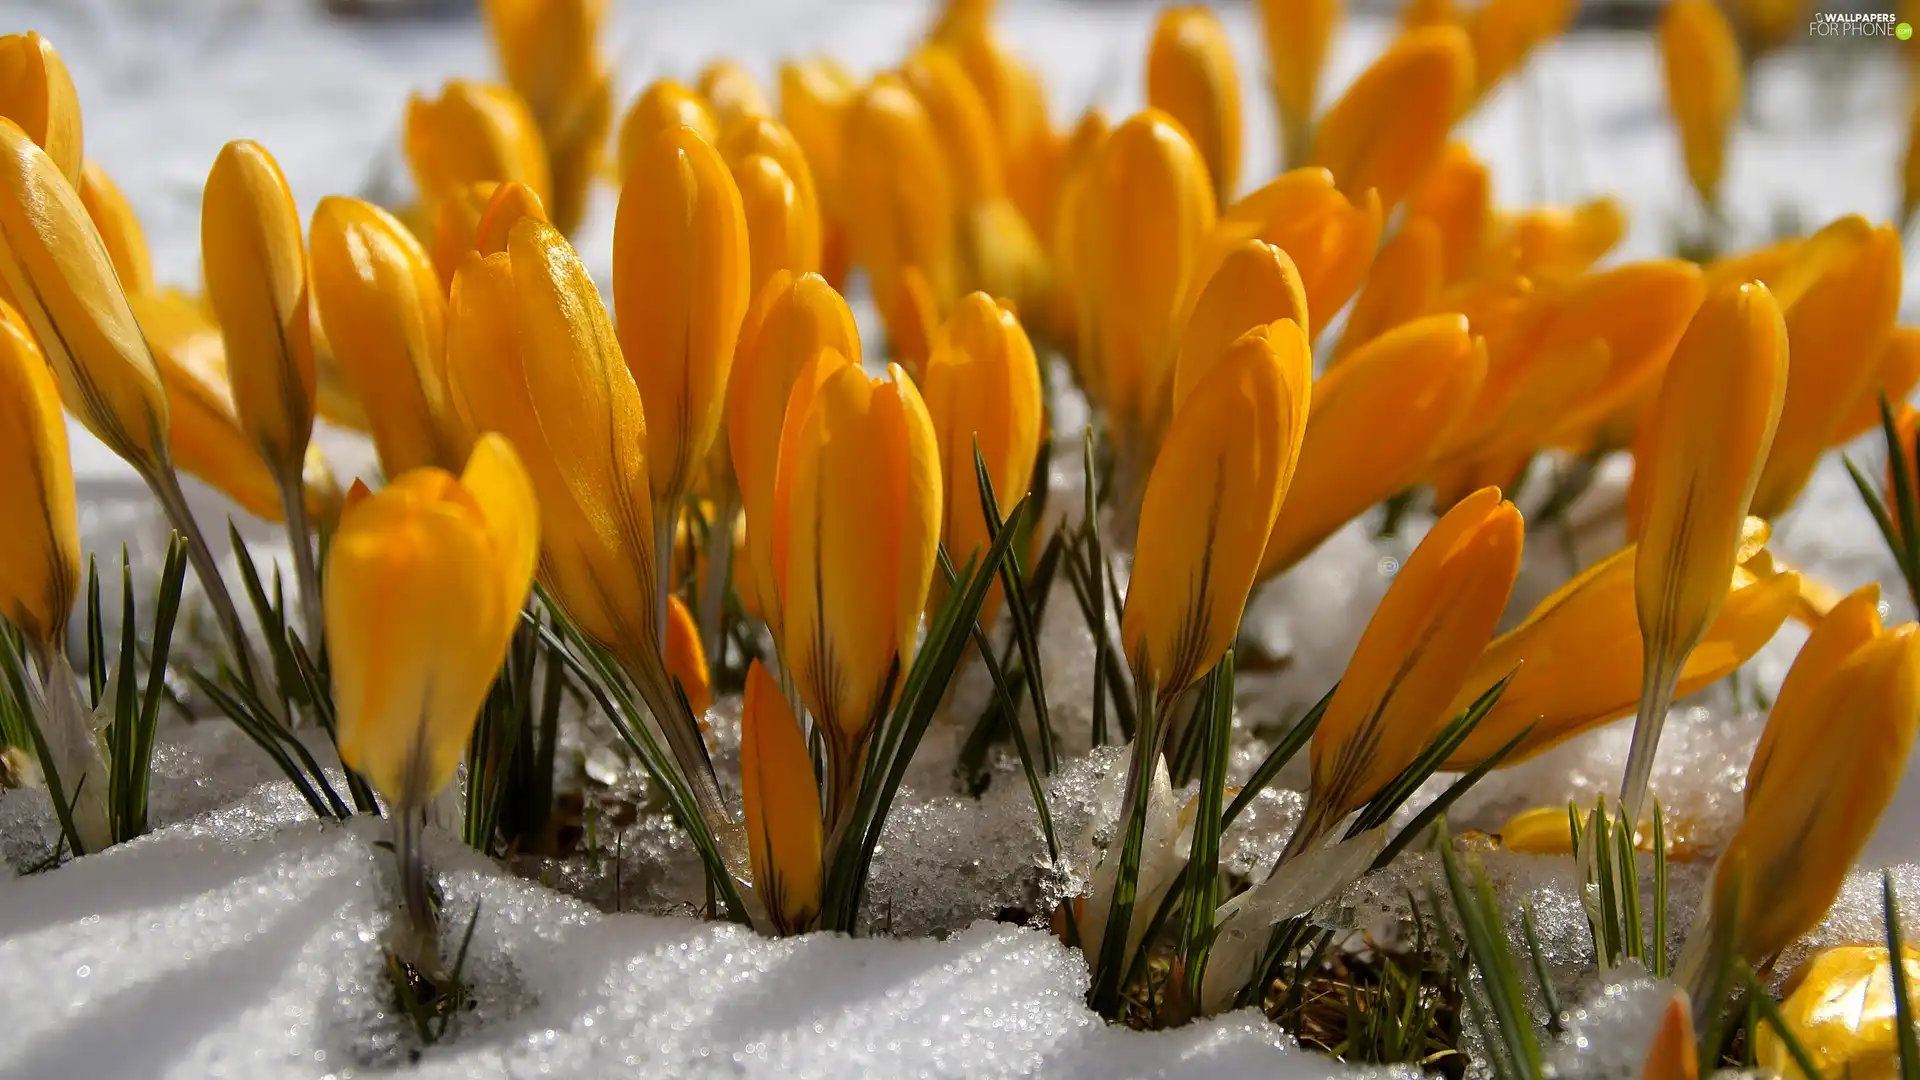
{"type": "Point", "coordinates": [166, 488]}
{"type": "Point", "coordinates": [305, 572]}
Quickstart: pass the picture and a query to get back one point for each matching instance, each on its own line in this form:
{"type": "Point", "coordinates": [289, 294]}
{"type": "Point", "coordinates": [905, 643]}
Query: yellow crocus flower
{"type": "Point", "coordinates": [687, 658]}
{"type": "Point", "coordinates": [1836, 328]}
{"type": "Point", "coordinates": [664, 105]}
{"type": "Point", "coordinates": [1703, 88]}
{"type": "Point", "coordinates": [1412, 658]}
{"type": "Point", "coordinates": [456, 227]}
{"type": "Point", "coordinates": [1896, 373]}
{"type": "Point", "coordinates": [1422, 376]}
{"type": "Point", "coordinates": [792, 320]}
{"type": "Point", "coordinates": [1389, 127]}
{"type": "Point", "coordinates": [1210, 502]}
{"type": "Point", "coordinates": [37, 94]}
{"type": "Point", "coordinates": [1457, 196]}
{"type": "Point", "coordinates": [1298, 35]}
{"type": "Point", "coordinates": [1331, 238]}
{"type": "Point", "coordinates": [1504, 32]}
{"type": "Point", "coordinates": [1850, 625]}
{"type": "Point", "coordinates": [547, 48]}
{"type": "Point", "coordinates": [732, 92]}
{"type": "Point", "coordinates": [680, 266]}
{"type": "Point", "coordinates": [982, 390]}
{"type": "Point", "coordinates": [1638, 313]}
{"type": "Point", "coordinates": [779, 237]}
{"type": "Point", "coordinates": [858, 557]}
{"type": "Point", "coordinates": [1840, 1009]}
{"type": "Point", "coordinates": [1404, 284]}
{"type": "Point", "coordinates": [473, 133]}
{"type": "Point", "coordinates": [782, 805]}
{"type": "Point", "coordinates": [1673, 1055]}
{"type": "Point", "coordinates": [1577, 662]}
{"type": "Point", "coordinates": [1191, 77]}
{"type": "Point", "coordinates": [815, 94]}
{"type": "Point", "coordinates": [1705, 442]}
{"type": "Point", "coordinates": [895, 174]}
{"type": "Point", "coordinates": [40, 547]}
{"type": "Point", "coordinates": [509, 203]}
{"type": "Point", "coordinates": [1555, 242]}
{"type": "Point", "coordinates": [1256, 285]}
{"type": "Point", "coordinates": [1078, 158]}
{"type": "Point", "coordinates": [765, 137]}
{"type": "Point", "coordinates": [382, 306]}
{"type": "Point", "coordinates": [119, 229]}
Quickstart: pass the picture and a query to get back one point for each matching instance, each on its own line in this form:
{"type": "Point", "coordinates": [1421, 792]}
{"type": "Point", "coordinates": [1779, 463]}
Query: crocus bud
{"type": "Point", "coordinates": [255, 264]}
{"type": "Point", "coordinates": [425, 580]}
{"type": "Point", "coordinates": [1191, 77]}
{"type": "Point", "coordinates": [1078, 159]}
{"type": "Point", "coordinates": [1298, 35]}
{"type": "Point", "coordinates": [858, 558]}
{"type": "Point", "coordinates": [815, 95]}
{"type": "Point", "coordinates": [1703, 87]}
{"type": "Point", "coordinates": [1221, 474]}
{"type": "Point", "coordinates": [680, 268]}
{"type": "Point", "coordinates": [1256, 285]}
{"type": "Point", "coordinates": [982, 390]}
{"type": "Point", "coordinates": [664, 105]}
{"type": "Point", "coordinates": [456, 227]}
{"type": "Point", "coordinates": [1404, 283]}
{"type": "Point", "coordinates": [60, 273]}
{"type": "Point", "coordinates": [1412, 658]}
{"type": "Point", "coordinates": [687, 658]}
{"type": "Point", "coordinates": [1836, 328]}
{"type": "Point", "coordinates": [119, 228]}
{"type": "Point", "coordinates": [37, 94]}
{"type": "Point", "coordinates": [548, 53]}
{"type": "Point", "coordinates": [764, 136]}
{"type": "Point", "coordinates": [1673, 1055]}
{"type": "Point", "coordinates": [1388, 129]}
{"type": "Point", "coordinates": [782, 805]}
{"type": "Point", "coordinates": [383, 309]}
{"type": "Point", "coordinates": [473, 133]}
{"type": "Point", "coordinates": [1330, 238]}
{"type": "Point", "coordinates": [1424, 375]}
{"type": "Point", "coordinates": [509, 203]}
{"type": "Point", "coordinates": [1846, 751]}
{"type": "Point", "coordinates": [40, 547]}
{"type": "Point", "coordinates": [792, 320]}
{"type": "Point", "coordinates": [1576, 659]}
{"type": "Point", "coordinates": [1146, 211]}
{"type": "Point", "coordinates": [779, 235]}
{"type": "Point", "coordinates": [1841, 1011]}
{"type": "Point", "coordinates": [895, 174]}
{"type": "Point", "coordinates": [1504, 32]}
{"type": "Point", "coordinates": [1706, 440]}
{"type": "Point", "coordinates": [732, 92]}
{"type": "Point", "coordinates": [1457, 196]}
{"type": "Point", "coordinates": [1850, 625]}
{"type": "Point", "coordinates": [1896, 374]}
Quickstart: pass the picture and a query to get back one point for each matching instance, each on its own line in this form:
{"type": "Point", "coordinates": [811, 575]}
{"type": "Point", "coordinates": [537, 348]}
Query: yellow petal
{"type": "Point", "coordinates": [1210, 503]}
{"type": "Point", "coordinates": [255, 264]}
{"type": "Point", "coordinates": [779, 236]}
{"type": "Point", "coordinates": [1192, 77]}
{"type": "Point", "coordinates": [37, 94]}
{"type": "Point", "coordinates": [119, 228]}
{"type": "Point", "coordinates": [1298, 35]}
{"type": "Point", "coordinates": [961, 123]}
{"type": "Point", "coordinates": [1840, 1009]}
{"type": "Point", "coordinates": [1808, 687]}
{"type": "Point", "coordinates": [1556, 242]}
{"type": "Point", "coordinates": [661, 107]}
{"type": "Point", "coordinates": [456, 226]}
{"type": "Point", "coordinates": [1404, 284]}
{"type": "Point", "coordinates": [1388, 129]}
{"type": "Point", "coordinates": [40, 547]}
{"type": "Point", "coordinates": [1639, 311]}
{"type": "Point", "coordinates": [501, 489]}
{"type": "Point", "coordinates": [1256, 285]}
{"type": "Point", "coordinates": [895, 174]}
{"type": "Point", "coordinates": [1077, 161]}
{"type": "Point", "coordinates": [1504, 32]}
{"type": "Point", "coordinates": [767, 137]}
{"type": "Point", "coordinates": [782, 805]}
{"type": "Point", "coordinates": [680, 266]}
{"type": "Point", "coordinates": [1896, 374]}
{"type": "Point", "coordinates": [687, 658]}
{"type": "Point", "coordinates": [1423, 375]}
{"type": "Point", "coordinates": [473, 133]}
{"type": "Point", "coordinates": [1672, 1055]}
{"type": "Point", "coordinates": [509, 202]}
{"type": "Point", "coordinates": [732, 93]}
{"type": "Point", "coordinates": [1703, 86]}
{"type": "Point", "coordinates": [1329, 237]}
{"type": "Point", "coordinates": [56, 267]}
{"type": "Point", "coordinates": [815, 95]}
{"type": "Point", "coordinates": [1457, 197]}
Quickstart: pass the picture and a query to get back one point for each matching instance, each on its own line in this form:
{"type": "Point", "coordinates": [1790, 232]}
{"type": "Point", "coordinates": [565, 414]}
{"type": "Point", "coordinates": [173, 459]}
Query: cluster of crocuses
{"type": "Point", "coordinates": [529, 434]}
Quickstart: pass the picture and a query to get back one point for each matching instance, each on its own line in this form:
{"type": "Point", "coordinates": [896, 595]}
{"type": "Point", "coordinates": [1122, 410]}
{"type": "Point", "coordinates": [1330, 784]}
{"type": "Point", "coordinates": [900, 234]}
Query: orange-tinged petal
{"type": "Point", "coordinates": [1330, 238]}
{"type": "Point", "coordinates": [779, 235]}
{"type": "Point", "coordinates": [58, 270]}
{"type": "Point", "coordinates": [509, 202]}
{"type": "Point", "coordinates": [664, 105]}
{"type": "Point", "coordinates": [1639, 311]}
{"type": "Point", "coordinates": [1404, 284]}
{"type": "Point", "coordinates": [1298, 35]}
{"type": "Point", "coordinates": [255, 262]}
{"type": "Point", "coordinates": [497, 481]}
{"type": "Point", "coordinates": [37, 94]}
{"type": "Point", "coordinates": [732, 92]}
{"type": "Point", "coordinates": [782, 805]}
{"type": "Point", "coordinates": [472, 133]}
{"type": "Point", "coordinates": [1556, 242]}
{"type": "Point", "coordinates": [1192, 77]}
{"type": "Point", "coordinates": [815, 96]}
{"type": "Point", "coordinates": [768, 137]}
{"type": "Point", "coordinates": [1210, 502]}
{"type": "Point", "coordinates": [1078, 159]}
{"type": "Point", "coordinates": [1256, 285]}
{"type": "Point", "coordinates": [456, 227]}
{"type": "Point", "coordinates": [1389, 127]}
{"type": "Point", "coordinates": [1808, 687]}
{"type": "Point", "coordinates": [1702, 61]}
{"type": "Point", "coordinates": [1840, 1009]}
{"type": "Point", "coordinates": [1504, 32]}
{"type": "Point", "coordinates": [961, 122]}
{"type": "Point", "coordinates": [40, 547]}
{"type": "Point", "coordinates": [687, 658]}
{"type": "Point", "coordinates": [1672, 1055]}
{"type": "Point", "coordinates": [119, 229]}
{"type": "Point", "coordinates": [1896, 374]}
{"type": "Point", "coordinates": [1423, 375]}
{"type": "Point", "coordinates": [1414, 655]}
{"type": "Point", "coordinates": [1457, 196]}
{"type": "Point", "coordinates": [680, 267]}
{"type": "Point", "coordinates": [895, 174]}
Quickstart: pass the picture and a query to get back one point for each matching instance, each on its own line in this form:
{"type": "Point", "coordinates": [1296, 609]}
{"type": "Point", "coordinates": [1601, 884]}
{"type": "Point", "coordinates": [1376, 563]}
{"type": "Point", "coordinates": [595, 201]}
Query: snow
{"type": "Point", "coordinates": [243, 939]}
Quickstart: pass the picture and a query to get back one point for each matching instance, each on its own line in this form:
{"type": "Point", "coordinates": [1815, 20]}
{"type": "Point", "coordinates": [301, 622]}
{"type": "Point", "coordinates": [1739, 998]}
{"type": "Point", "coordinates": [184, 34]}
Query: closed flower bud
{"type": "Point", "coordinates": [1191, 77]}
{"type": "Point", "coordinates": [1836, 328]}
{"type": "Point", "coordinates": [982, 390]}
{"type": "Point", "coordinates": [509, 203]}
{"type": "Point", "coordinates": [425, 581]}
{"type": "Point", "coordinates": [119, 228]}
{"type": "Point", "coordinates": [1210, 502]}
{"type": "Point", "coordinates": [456, 227]}
{"type": "Point", "coordinates": [687, 658]}
{"type": "Point", "coordinates": [1851, 624]}
{"type": "Point", "coordinates": [815, 96]}
{"type": "Point", "coordinates": [1841, 1010]}
{"type": "Point", "coordinates": [1378, 419]}
{"type": "Point", "coordinates": [37, 94]}
{"type": "Point", "coordinates": [895, 174]}
{"type": "Point", "coordinates": [1298, 34]}
{"type": "Point", "coordinates": [1703, 87]}
{"type": "Point", "coordinates": [1256, 285]}
{"type": "Point", "coordinates": [473, 133]}
{"type": "Point", "coordinates": [859, 557]}
{"type": "Point", "coordinates": [1706, 441]}
{"type": "Point", "coordinates": [1078, 161]}
{"type": "Point", "coordinates": [1404, 284]}
{"type": "Point", "coordinates": [383, 309]}
{"type": "Point", "coordinates": [1147, 209]}
{"type": "Point", "coordinates": [664, 105]}
{"type": "Point", "coordinates": [779, 236]}
{"type": "Point", "coordinates": [40, 547]}
{"type": "Point", "coordinates": [548, 52]}
{"type": "Point", "coordinates": [764, 136]}
{"type": "Point", "coordinates": [1389, 127]}
{"type": "Point", "coordinates": [679, 290]}
{"type": "Point", "coordinates": [782, 805]}
{"type": "Point", "coordinates": [961, 123]}
{"type": "Point", "coordinates": [792, 320]}
{"type": "Point", "coordinates": [55, 265]}
{"type": "Point", "coordinates": [1412, 658]}
{"type": "Point", "coordinates": [1576, 659]}
{"type": "Point", "coordinates": [732, 93]}
{"type": "Point", "coordinates": [255, 264]}
{"type": "Point", "coordinates": [1847, 750]}
{"type": "Point", "coordinates": [1331, 238]}
{"type": "Point", "coordinates": [1457, 196]}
